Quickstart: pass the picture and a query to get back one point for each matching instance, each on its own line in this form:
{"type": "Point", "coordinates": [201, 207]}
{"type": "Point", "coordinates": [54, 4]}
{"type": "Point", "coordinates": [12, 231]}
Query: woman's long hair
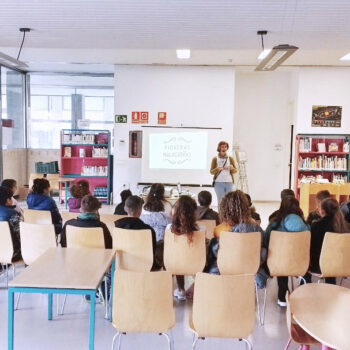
{"type": "Point", "coordinates": [184, 217]}
{"type": "Point", "coordinates": [289, 205]}
{"type": "Point", "coordinates": [155, 198]}
{"type": "Point", "coordinates": [234, 209]}
{"type": "Point", "coordinates": [331, 209]}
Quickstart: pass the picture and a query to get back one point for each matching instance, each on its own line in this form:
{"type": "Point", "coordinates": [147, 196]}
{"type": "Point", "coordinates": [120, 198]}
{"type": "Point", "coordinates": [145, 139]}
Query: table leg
{"type": "Point", "coordinates": [10, 319]}
{"type": "Point", "coordinates": [65, 194]}
{"type": "Point", "coordinates": [49, 306]}
{"type": "Point", "coordinates": [92, 320]}
{"type": "Point", "coordinates": [112, 287]}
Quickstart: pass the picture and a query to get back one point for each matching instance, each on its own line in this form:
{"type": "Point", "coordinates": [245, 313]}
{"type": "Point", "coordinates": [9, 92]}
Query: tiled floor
{"type": "Point", "coordinates": [34, 332]}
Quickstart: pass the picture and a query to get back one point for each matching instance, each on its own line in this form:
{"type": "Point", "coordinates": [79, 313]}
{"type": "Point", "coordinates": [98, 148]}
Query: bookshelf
{"type": "Point", "coordinates": [85, 154]}
{"type": "Point", "coordinates": [321, 159]}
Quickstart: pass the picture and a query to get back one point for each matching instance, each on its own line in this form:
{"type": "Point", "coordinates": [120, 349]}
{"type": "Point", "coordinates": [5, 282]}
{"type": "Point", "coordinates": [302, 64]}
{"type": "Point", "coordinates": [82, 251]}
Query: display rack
{"type": "Point", "coordinates": [85, 154]}
{"type": "Point", "coordinates": [321, 159]}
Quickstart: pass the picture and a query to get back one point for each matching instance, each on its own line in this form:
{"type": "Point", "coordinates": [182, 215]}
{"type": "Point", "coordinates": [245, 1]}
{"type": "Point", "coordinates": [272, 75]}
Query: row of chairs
{"type": "Point", "coordinates": [143, 302]}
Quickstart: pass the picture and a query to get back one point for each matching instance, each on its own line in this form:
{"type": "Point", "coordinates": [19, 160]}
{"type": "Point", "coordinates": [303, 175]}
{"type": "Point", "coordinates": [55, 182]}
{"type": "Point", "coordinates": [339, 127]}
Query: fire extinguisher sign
{"type": "Point", "coordinates": [135, 117]}
{"type": "Point", "coordinates": [161, 117]}
{"type": "Point", "coordinates": [144, 117]}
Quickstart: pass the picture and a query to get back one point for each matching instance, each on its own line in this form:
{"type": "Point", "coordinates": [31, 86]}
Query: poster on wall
{"type": "Point", "coordinates": [135, 117]}
{"type": "Point", "coordinates": [326, 116]}
{"type": "Point", "coordinates": [144, 118]}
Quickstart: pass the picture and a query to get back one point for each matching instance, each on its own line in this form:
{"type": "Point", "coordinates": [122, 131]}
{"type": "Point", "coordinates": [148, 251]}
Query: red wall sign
{"type": "Point", "coordinates": [144, 117]}
{"type": "Point", "coordinates": [161, 117]}
{"type": "Point", "coordinates": [135, 117]}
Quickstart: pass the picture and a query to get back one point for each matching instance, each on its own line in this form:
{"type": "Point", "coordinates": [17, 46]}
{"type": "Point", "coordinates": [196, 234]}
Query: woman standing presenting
{"type": "Point", "coordinates": [223, 167]}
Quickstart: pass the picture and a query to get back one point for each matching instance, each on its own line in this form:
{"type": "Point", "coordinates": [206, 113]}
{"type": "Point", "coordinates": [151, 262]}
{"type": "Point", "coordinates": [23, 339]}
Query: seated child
{"type": "Point", "coordinates": [315, 214]}
{"type": "Point", "coordinates": [284, 193]}
{"type": "Point", "coordinates": [7, 213]}
{"type": "Point", "coordinates": [78, 191]}
{"type": "Point", "coordinates": [204, 212]}
{"type": "Point", "coordinates": [88, 218]}
{"type": "Point", "coordinates": [12, 186]}
{"type": "Point", "coordinates": [133, 207]}
{"type": "Point", "coordinates": [119, 209]}
{"type": "Point", "coordinates": [255, 216]}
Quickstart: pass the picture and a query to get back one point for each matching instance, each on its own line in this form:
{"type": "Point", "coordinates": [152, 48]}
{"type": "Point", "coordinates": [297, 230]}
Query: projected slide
{"type": "Point", "coordinates": [178, 150]}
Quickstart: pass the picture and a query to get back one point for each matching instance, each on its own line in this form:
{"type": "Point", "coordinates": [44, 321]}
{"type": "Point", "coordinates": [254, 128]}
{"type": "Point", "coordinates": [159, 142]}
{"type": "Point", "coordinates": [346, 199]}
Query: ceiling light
{"type": "Point", "coordinates": [263, 54]}
{"type": "Point", "coordinates": [183, 54]}
{"type": "Point", "coordinates": [345, 58]}
{"type": "Point", "coordinates": [276, 57]}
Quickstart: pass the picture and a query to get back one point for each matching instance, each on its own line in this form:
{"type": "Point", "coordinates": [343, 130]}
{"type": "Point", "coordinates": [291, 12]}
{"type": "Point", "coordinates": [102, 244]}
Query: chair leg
{"type": "Point", "coordinates": [264, 305]}
{"type": "Point", "coordinates": [63, 304]}
{"type": "Point", "coordinates": [117, 335]}
{"type": "Point", "coordinates": [194, 342]}
{"type": "Point", "coordinates": [288, 344]}
{"type": "Point", "coordinates": [167, 338]}
{"type": "Point", "coordinates": [258, 303]}
{"type": "Point", "coordinates": [292, 283]}
{"type": "Point", "coordinates": [17, 301]}
{"type": "Point", "coordinates": [341, 281]}
{"type": "Point", "coordinates": [248, 343]}
{"type": "Point", "coordinates": [303, 279]}
{"type": "Point", "coordinates": [106, 300]}
{"type": "Point", "coordinates": [13, 271]}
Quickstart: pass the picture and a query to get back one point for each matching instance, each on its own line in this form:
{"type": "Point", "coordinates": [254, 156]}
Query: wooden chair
{"type": "Point", "coordinates": [134, 249]}
{"type": "Point", "coordinates": [142, 302]}
{"type": "Point", "coordinates": [85, 237]}
{"type": "Point", "coordinates": [35, 240]}
{"type": "Point", "coordinates": [230, 301]}
{"type": "Point", "coordinates": [288, 255]}
{"type": "Point", "coordinates": [239, 253]}
{"type": "Point", "coordinates": [109, 220]}
{"type": "Point", "coordinates": [54, 183]}
{"type": "Point", "coordinates": [6, 247]}
{"type": "Point", "coordinates": [67, 215]}
{"type": "Point", "coordinates": [335, 255]}
{"type": "Point", "coordinates": [296, 333]}
{"type": "Point", "coordinates": [209, 227]}
{"type": "Point", "coordinates": [32, 216]}
{"type": "Point", "coordinates": [182, 257]}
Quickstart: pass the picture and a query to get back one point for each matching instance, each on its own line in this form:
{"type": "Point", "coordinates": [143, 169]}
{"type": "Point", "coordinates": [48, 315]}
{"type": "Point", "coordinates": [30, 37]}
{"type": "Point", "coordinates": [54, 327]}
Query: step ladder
{"type": "Point", "coordinates": [241, 158]}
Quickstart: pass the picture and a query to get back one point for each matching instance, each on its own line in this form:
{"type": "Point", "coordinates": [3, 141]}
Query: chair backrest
{"type": "Point", "coordinates": [6, 245]}
{"type": "Point", "coordinates": [53, 179]}
{"type": "Point", "coordinates": [35, 240]}
{"type": "Point", "coordinates": [182, 257]}
{"type": "Point", "coordinates": [239, 253]}
{"type": "Point", "coordinates": [84, 237]}
{"type": "Point", "coordinates": [32, 177]}
{"type": "Point", "coordinates": [289, 253]}
{"type": "Point", "coordinates": [209, 227]}
{"type": "Point", "coordinates": [335, 255]}
{"type": "Point", "coordinates": [134, 249]}
{"type": "Point", "coordinates": [143, 301]}
{"type": "Point", "coordinates": [288, 315]}
{"type": "Point", "coordinates": [32, 216]}
{"type": "Point", "coordinates": [67, 215]}
{"type": "Point", "coordinates": [109, 220]}
{"type": "Point", "coordinates": [223, 305]}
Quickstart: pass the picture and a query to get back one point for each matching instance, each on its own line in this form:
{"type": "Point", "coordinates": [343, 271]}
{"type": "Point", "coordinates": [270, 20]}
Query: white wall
{"type": "Point", "coordinates": [191, 96]}
{"type": "Point", "coordinates": [264, 105]}
{"type": "Point", "coordinates": [323, 86]}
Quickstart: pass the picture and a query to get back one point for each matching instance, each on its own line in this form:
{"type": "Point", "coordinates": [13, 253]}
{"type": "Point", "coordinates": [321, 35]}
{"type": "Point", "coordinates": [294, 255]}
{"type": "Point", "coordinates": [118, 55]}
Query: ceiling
{"type": "Point", "coordinates": [218, 32]}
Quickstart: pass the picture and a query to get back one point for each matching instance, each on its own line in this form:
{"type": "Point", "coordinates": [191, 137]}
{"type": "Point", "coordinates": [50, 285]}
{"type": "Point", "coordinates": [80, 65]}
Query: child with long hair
{"type": "Point", "coordinates": [235, 211]}
{"type": "Point", "coordinates": [289, 218]}
{"type": "Point", "coordinates": [153, 213]}
{"type": "Point", "coordinates": [183, 223]}
{"type": "Point", "coordinates": [332, 220]}
{"type": "Point", "coordinates": [11, 184]}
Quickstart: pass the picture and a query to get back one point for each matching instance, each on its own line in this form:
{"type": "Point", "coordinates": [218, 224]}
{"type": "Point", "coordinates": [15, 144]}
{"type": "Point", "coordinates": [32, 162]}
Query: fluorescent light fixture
{"type": "Point", "coordinates": [345, 58]}
{"type": "Point", "coordinates": [263, 54]}
{"type": "Point", "coordinates": [276, 57]}
{"type": "Point", "coordinates": [183, 54]}
{"type": "Point", "coordinates": [11, 62]}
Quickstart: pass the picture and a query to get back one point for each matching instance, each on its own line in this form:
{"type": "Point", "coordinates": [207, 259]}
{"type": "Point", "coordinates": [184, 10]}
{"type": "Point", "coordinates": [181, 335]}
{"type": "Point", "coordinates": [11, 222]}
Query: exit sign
{"type": "Point", "coordinates": [121, 118]}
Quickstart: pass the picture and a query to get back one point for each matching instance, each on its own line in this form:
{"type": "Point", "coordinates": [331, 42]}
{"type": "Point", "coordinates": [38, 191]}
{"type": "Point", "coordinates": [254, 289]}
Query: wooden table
{"type": "Point", "coordinates": [323, 311]}
{"type": "Point", "coordinates": [53, 273]}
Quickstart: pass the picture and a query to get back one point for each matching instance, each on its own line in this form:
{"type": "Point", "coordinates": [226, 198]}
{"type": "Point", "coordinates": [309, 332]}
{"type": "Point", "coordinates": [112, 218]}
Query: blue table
{"type": "Point", "coordinates": [52, 274]}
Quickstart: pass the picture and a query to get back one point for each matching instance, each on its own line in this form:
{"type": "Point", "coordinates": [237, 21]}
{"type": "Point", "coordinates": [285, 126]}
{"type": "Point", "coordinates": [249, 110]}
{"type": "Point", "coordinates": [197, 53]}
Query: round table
{"type": "Point", "coordinates": [323, 311]}
{"type": "Point", "coordinates": [66, 181]}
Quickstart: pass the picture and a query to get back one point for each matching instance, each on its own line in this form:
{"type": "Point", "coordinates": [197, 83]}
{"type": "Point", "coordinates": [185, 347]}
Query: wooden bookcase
{"type": "Point", "coordinates": [85, 154]}
{"type": "Point", "coordinates": [321, 156]}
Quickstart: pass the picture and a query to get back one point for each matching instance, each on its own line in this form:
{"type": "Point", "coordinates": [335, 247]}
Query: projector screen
{"type": "Point", "coordinates": [172, 155]}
